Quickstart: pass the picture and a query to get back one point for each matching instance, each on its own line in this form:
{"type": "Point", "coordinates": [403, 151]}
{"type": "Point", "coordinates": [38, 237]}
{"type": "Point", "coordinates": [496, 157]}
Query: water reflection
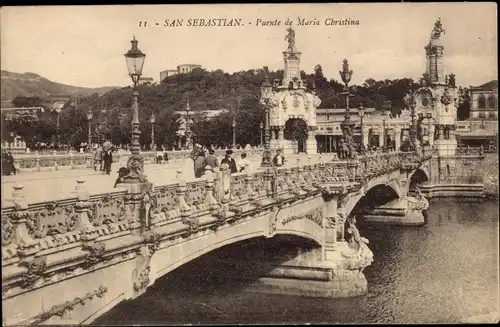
{"type": "Point", "coordinates": [439, 273]}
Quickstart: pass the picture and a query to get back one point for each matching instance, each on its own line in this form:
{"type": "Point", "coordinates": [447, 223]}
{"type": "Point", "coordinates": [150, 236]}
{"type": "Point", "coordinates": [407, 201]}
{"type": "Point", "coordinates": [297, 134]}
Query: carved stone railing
{"type": "Point", "coordinates": [470, 152]}
{"type": "Point", "coordinates": [50, 162]}
{"type": "Point", "coordinates": [86, 231]}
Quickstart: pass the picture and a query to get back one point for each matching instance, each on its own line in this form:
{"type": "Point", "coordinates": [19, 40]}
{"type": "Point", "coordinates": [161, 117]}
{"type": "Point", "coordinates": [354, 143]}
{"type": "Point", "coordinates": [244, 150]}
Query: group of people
{"type": "Point", "coordinates": [7, 163]}
{"type": "Point", "coordinates": [203, 157]}
{"type": "Point", "coordinates": [103, 156]}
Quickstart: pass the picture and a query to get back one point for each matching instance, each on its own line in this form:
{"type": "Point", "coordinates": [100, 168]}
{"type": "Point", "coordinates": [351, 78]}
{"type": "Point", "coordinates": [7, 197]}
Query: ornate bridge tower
{"type": "Point", "coordinates": [436, 106]}
{"type": "Point", "coordinates": [293, 107]}
{"type": "Point", "coordinates": [437, 99]}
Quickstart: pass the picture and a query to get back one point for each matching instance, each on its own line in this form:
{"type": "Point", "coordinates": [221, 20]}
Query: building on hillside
{"type": "Point", "coordinates": [187, 68]}
{"type": "Point", "coordinates": [484, 101]}
{"type": "Point", "coordinates": [181, 69]}
{"type": "Point", "coordinates": [145, 80]}
{"type": "Point", "coordinates": [167, 73]}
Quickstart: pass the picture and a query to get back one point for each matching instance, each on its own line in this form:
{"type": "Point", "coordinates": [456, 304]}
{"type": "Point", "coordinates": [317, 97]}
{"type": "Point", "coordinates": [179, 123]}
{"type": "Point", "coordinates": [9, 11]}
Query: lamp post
{"type": "Point", "coordinates": [261, 125]}
{"type": "Point", "coordinates": [386, 107]}
{"type": "Point", "coordinates": [135, 60]}
{"type": "Point", "coordinates": [152, 119]}
{"type": "Point", "coordinates": [58, 131]}
{"type": "Point", "coordinates": [89, 119]}
{"type": "Point", "coordinates": [234, 133]}
{"type": "Point", "coordinates": [266, 90]}
{"type": "Point", "coordinates": [361, 112]}
{"type": "Point", "coordinates": [347, 125]}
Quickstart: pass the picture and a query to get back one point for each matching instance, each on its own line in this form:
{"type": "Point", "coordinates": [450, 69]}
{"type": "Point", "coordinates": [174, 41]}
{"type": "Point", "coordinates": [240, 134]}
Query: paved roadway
{"type": "Point", "coordinates": [45, 186]}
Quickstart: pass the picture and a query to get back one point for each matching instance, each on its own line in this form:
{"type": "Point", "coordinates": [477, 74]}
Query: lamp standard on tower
{"type": "Point", "coordinates": [347, 125]}
{"type": "Point", "coordinates": [361, 112]}
{"type": "Point", "coordinates": [135, 61]}
{"type": "Point", "coordinates": [386, 107]}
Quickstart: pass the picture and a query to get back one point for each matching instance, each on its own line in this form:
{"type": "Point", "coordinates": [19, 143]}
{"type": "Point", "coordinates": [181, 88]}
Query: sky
{"type": "Point", "coordinates": [84, 45]}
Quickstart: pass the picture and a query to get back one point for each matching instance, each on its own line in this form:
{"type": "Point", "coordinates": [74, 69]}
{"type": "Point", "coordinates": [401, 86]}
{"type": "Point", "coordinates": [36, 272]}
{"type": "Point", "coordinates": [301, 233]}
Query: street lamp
{"type": "Point", "coordinates": [152, 119]}
{"type": "Point", "coordinates": [361, 112]}
{"type": "Point", "coordinates": [266, 90]}
{"type": "Point", "coordinates": [89, 118]}
{"type": "Point", "coordinates": [234, 133]}
{"type": "Point", "coordinates": [58, 111]}
{"type": "Point", "coordinates": [386, 107]}
{"type": "Point", "coordinates": [347, 125]}
{"type": "Point", "coordinates": [135, 60]}
{"type": "Point", "coordinates": [261, 125]}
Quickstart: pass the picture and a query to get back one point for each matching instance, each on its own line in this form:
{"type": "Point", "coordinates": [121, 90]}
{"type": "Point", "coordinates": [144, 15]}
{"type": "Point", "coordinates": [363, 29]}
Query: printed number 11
{"type": "Point", "coordinates": [143, 24]}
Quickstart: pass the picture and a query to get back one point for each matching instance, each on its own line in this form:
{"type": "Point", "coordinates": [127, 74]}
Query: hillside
{"type": "Point", "coordinates": [30, 84]}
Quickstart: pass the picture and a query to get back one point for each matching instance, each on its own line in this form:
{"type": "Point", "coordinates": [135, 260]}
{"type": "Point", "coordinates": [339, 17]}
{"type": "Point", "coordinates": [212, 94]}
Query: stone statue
{"type": "Point", "coordinates": [451, 80]}
{"type": "Point", "coordinates": [290, 37]}
{"type": "Point", "coordinates": [419, 202]}
{"type": "Point", "coordinates": [437, 30]}
{"type": "Point", "coordinates": [182, 123]}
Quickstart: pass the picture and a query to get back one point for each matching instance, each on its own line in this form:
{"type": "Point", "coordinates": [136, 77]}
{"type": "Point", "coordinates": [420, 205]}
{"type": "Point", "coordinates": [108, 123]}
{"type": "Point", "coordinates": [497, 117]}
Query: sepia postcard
{"type": "Point", "coordinates": [323, 163]}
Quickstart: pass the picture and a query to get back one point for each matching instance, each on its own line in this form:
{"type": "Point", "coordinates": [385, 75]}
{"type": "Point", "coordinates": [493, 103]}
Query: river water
{"type": "Point", "coordinates": [444, 272]}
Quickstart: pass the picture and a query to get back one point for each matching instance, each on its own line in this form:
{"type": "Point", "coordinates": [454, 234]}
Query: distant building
{"type": "Point", "coordinates": [187, 68]}
{"type": "Point", "coordinates": [484, 101]}
{"type": "Point", "coordinates": [146, 80]}
{"type": "Point", "coordinates": [167, 73]}
{"type": "Point", "coordinates": [181, 69]}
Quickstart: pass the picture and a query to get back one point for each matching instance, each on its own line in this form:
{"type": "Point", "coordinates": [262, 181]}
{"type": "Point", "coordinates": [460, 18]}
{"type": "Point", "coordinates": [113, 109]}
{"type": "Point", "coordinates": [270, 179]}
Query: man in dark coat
{"type": "Point", "coordinates": [228, 160]}
{"type": "Point", "coordinates": [108, 159]}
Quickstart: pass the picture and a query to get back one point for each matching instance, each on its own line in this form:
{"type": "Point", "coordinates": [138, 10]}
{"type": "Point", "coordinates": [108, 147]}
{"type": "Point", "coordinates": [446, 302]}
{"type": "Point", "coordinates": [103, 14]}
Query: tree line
{"type": "Point", "coordinates": [237, 95]}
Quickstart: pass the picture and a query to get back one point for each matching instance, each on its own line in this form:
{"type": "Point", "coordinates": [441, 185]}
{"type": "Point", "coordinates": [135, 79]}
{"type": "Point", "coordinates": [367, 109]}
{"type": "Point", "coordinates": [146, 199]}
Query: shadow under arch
{"type": "Point", "coordinates": [296, 130]}
{"type": "Point", "coordinates": [378, 195]}
{"type": "Point", "coordinates": [416, 179]}
{"type": "Point", "coordinates": [232, 267]}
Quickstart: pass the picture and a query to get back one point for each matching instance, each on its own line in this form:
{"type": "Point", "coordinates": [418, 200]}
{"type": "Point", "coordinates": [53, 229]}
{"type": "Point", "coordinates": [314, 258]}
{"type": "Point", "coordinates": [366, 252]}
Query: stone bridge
{"type": "Point", "coordinates": [70, 261]}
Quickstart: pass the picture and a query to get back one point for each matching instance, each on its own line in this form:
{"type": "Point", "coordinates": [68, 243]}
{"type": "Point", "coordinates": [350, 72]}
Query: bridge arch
{"type": "Point", "coordinates": [377, 195]}
{"type": "Point", "coordinates": [171, 257]}
{"type": "Point", "coordinates": [419, 176]}
{"type": "Point", "coordinates": [385, 188]}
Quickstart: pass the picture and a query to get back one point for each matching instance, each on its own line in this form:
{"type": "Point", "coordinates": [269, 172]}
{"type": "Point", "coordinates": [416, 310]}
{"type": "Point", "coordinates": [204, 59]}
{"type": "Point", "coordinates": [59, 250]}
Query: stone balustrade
{"type": "Point", "coordinates": [50, 162]}
{"type": "Point", "coordinates": [40, 226]}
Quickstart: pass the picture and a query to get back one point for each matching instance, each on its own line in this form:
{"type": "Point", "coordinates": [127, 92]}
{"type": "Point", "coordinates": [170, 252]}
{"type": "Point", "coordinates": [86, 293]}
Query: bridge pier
{"type": "Point", "coordinates": [405, 211]}
{"type": "Point", "coordinates": [322, 272]}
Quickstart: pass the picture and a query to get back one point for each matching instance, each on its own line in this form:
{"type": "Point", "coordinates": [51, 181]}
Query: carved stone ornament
{"type": "Point", "coordinates": [59, 310]}
{"type": "Point", "coordinates": [315, 216]}
{"type": "Point", "coordinates": [140, 275]}
{"type": "Point", "coordinates": [35, 270]}
{"type": "Point", "coordinates": [446, 99]}
{"type": "Point", "coordinates": [136, 165]}
{"type": "Point", "coordinates": [273, 219]}
{"type": "Point", "coordinates": [96, 252]}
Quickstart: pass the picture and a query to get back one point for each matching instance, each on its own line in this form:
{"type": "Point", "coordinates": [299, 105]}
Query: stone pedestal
{"type": "Point", "coordinates": [405, 211]}
{"type": "Point", "coordinates": [311, 144]}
